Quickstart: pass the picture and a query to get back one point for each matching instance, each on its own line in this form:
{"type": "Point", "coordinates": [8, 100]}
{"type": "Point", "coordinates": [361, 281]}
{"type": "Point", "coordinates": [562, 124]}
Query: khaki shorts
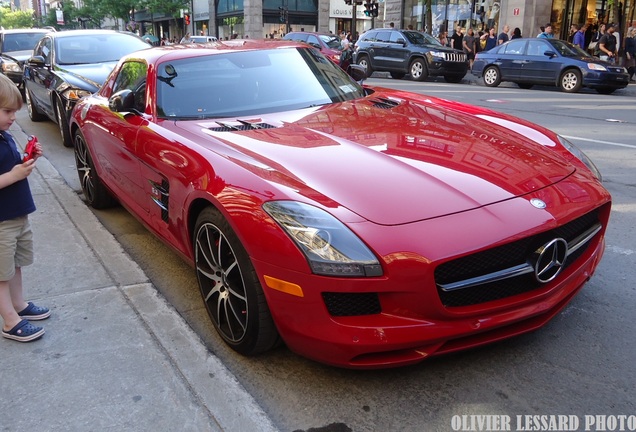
{"type": "Point", "coordinates": [16, 246]}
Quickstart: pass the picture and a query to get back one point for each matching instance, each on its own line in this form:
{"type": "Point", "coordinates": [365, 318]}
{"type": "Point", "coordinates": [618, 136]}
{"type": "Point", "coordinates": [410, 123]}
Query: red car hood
{"type": "Point", "coordinates": [390, 163]}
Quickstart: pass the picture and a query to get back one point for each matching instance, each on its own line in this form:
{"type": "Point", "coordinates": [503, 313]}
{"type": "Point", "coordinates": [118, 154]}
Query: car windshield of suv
{"type": "Point", "coordinates": [96, 48]}
{"type": "Point", "coordinates": [20, 41]}
{"type": "Point", "coordinates": [418, 38]}
{"type": "Point", "coordinates": [235, 84]}
{"type": "Point", "coordinates": [567, 49]}
{"type": "Point", "coordinates": [332, 42]}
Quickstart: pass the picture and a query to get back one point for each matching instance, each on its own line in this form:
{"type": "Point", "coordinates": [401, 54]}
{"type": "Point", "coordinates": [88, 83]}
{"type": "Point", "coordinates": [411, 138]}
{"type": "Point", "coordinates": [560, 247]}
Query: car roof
{"type": "Point", "coordinates": [70, 33]}
{"type": "Point", "coordinates": [31, 30]}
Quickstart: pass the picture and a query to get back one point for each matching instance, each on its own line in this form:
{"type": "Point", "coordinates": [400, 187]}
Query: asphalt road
{"type": "Point", "coordinates": [580, 364]}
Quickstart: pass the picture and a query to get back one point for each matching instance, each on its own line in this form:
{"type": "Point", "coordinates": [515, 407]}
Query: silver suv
{"type": "Point", "coordinates": [16, 46]}
{"type": "Point", "coordinates": [409, 52]}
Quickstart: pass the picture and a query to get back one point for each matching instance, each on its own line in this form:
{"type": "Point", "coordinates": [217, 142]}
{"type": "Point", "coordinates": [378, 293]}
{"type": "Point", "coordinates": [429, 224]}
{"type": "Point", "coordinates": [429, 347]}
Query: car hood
{"type": "Point", "coordinates": [391, 161]}
{"type": "Point", "coordinates": [20, 56]}
{"type": "Point", "coordinates": [86, 76]}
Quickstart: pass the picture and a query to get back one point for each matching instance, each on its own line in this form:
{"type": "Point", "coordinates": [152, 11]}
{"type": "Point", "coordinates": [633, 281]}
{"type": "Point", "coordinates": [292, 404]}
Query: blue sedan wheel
{"type": "Point", "coordinates": [570, 81]}
{"type": "Point", "coordinates": [492, 77]}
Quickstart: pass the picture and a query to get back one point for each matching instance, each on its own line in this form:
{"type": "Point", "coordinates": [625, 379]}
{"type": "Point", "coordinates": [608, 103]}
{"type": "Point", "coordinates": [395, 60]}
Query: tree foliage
{"type": "Point", "coordinates": [16, 19]}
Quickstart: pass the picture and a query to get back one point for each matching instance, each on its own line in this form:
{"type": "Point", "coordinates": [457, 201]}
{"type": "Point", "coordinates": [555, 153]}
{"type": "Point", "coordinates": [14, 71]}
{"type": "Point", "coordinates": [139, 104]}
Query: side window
{"type": "Point", "coordinates": [43, 48]}
{"type": "Point", "coordinates": [536, 47]}
{"type": "Point", "coordinates": [132, 76]}
{"type": "Point", "coordinates": [515, 47]}
{"type": "Point", "coordinates": [384, 37]}
{"type": "Point", "coordinates": [313, 40]}
{"type": "Point", "coordinates": [396, 36]}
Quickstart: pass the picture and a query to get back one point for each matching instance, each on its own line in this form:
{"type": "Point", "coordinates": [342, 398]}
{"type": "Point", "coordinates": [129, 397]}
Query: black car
{"type": "Point", "coordinates": [15, 47]}
{"type": "Point", "coordinates": [68, 65]}
{"type": "Point", "coordinates": [403, 52]}
{"type": "Point", "coordinates": [551, 62]}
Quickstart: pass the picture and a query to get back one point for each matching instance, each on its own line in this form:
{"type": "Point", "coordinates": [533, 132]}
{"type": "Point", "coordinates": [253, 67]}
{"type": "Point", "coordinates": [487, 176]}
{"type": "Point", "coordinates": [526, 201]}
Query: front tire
{"type": "Point", "coordinates": [34, 114]}
{"type": "Point", "coordinates": [418, 70]}
{"type": "Point", "coordinates": [95, 193]}
{"type": "Point", "coordinates": [62, 123]}
{"type": "Point", "coordinates": [570, 81]}
{"type": "Point", "coordinates": [231, 290]}
{"type": "Point", "coordinates": [492, 77]}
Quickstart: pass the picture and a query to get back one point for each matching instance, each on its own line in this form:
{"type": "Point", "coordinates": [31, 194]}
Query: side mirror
{"type": "Point", "coordinates": [36, 61]}
{"type": "Point", "coordinates": [550, 54]}
{"type": "Point", "coordinates": [122, 101]}
{"type": "Point", "coordinates": [357, 72]}
{"type": "Point", "coordinates": [401, 41]}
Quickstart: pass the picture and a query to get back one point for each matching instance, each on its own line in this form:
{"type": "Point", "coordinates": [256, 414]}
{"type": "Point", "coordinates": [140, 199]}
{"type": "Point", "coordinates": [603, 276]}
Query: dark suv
{"type": "Point", "coordinates": [15, 47]}
{"type": "Point", "coordinates": [403, 52]}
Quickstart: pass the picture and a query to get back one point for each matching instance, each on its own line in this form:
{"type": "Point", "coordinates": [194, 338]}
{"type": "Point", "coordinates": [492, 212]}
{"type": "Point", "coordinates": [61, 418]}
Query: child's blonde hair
{"type": "Point", "coordinates": [10, 97]}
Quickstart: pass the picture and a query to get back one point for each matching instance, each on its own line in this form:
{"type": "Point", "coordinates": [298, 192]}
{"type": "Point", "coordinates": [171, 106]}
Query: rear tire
{"type": "Point", "coordinates": [34, 114]}
{"type": "Point", "coordinates": [492, 77]}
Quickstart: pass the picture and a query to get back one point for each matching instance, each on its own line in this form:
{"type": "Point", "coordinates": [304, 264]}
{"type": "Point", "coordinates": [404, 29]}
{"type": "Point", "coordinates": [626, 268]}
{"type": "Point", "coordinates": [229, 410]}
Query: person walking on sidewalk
{"type": "Point", "coordinates": [16, 237]}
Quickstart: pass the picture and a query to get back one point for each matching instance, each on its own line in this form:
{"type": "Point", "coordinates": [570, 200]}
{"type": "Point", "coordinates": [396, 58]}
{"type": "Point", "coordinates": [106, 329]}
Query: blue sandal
{"type": "Point", "coordinates": [24, 331]}
{"type": "Point", "coordinates": [35, 313]}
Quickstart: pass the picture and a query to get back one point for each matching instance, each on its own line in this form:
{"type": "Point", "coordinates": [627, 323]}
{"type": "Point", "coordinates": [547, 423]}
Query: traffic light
{"type": "Point", "coordinates": [283, 14]}
{"type": "Point", "coordinates": [374, 10]}
{"type": "Point", "coordinates": [186, 18]}
{"type": "Point", "coordinates": [367, 9]}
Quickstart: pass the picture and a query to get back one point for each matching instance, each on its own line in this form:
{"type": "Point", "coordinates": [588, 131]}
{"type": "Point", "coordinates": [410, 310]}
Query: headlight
{"type": "Point", "coordinates": [596, 67]}
{"type": "Point", "coordinates": [330, 247]}
{"type": "Point", "coordinates": [10, 66]}
{"type": "Point", "coordinates": [75, 94]}
{"type": "Point", "coordinates": [436, 54]}
{"type": "Point", "coordinates": [581, 156]}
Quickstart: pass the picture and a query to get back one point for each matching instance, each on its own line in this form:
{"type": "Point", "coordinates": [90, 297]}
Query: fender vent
{"type": "Point", "coordinates": [385, 103]}
{"type": "Point", "coordinates": [240, 125]}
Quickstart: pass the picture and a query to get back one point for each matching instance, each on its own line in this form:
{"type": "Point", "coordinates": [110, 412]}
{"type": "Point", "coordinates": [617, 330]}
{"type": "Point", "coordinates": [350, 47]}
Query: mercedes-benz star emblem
{"type": "Point", "coordinates": [536, 202]}
{"type": "Point", "coordinates": [550, 260]}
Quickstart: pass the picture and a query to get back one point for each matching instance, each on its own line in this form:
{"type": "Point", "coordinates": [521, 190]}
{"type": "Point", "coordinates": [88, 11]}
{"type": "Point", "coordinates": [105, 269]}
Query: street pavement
{"type": "Point", "coordinates": [115, 356]}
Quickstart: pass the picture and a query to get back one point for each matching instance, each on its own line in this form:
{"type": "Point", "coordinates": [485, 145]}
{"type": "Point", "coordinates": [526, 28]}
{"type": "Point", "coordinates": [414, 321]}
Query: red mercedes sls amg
{"type": "Point", "coordinates": [364, 227]}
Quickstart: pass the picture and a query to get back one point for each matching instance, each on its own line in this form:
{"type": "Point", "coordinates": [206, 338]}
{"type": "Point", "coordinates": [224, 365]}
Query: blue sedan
{"type": "Point", "coordinates": [548, 62]}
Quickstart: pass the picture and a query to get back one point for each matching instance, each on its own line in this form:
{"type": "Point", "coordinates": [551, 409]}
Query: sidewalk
{"type": "Point", "coordinates": [115, 356]}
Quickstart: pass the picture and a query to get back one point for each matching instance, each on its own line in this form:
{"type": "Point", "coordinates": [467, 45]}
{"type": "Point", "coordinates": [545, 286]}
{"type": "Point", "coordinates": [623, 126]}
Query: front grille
{"type": "Point", "coordinates": [518, 254]}
{"type": "Point", "coordinates": [352, 304]}
{"type": "Point", "coordinates": [455, 57]}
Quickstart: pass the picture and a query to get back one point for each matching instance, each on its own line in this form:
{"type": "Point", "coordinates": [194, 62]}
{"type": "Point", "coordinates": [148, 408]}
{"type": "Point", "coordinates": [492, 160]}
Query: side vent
{"type": "Point", "coordinates": [240, 125]}
{"type": "Point", "coordinates": [385, 103]}
{"type": "Point", "coordinates": [160, 195]}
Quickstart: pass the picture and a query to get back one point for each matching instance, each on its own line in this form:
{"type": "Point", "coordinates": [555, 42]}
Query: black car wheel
{"type": "Point", "coordinates": [397, 75]}
{"type": "Point", "coordinates": [95, 193]}
{"type": "Point", "coordinates": [363, 61]}
{"type": "Point", "coordinates": [231, 290]}
{"type": "Point", "coordinates": [492, 77]}
{"type": "Point", "coordinates": [62, 123]}
{"type": "Point", "coordinates": [34, 114]}
{"type": "Point", "coordinates": [418, 70]}
{"type": "Point", "coordinates": [570, 81]}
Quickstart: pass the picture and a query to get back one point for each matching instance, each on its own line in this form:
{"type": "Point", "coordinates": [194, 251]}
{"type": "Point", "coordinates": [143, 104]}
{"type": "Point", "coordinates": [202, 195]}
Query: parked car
{"type": "Point", "coordinates": [201, 39]}
{"type": "Point", "coordinates": [68, 65]}
{"type": "Point", "coordinates": [15, 47]}
{"type": "Point", "coordinates": [409, 52]}
{"type": "Point", "coordinates": [328, 43]}
{"type": "Point", "coordinates": [365, 227]}
{"type": "Point", "coordinates": [553, 62]}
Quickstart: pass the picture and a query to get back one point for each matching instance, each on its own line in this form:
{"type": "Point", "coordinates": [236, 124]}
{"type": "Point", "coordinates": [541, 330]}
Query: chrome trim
{"type": "Point", "coordinates": [520, 269]}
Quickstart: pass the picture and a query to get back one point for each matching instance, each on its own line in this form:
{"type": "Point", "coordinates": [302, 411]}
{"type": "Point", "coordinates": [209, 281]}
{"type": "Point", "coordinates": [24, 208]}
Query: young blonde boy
{"type": "Point", "coordinates": [16, 237]}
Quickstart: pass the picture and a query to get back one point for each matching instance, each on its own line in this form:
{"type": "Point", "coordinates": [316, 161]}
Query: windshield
{"type": "Point", "coordinates": [331, 41]}
{"type": "Point", "coordinates": [567, 49]}
{"type": "Point", "coordinates": [20, 41]}
{"type": "Point", "coordinates": [96, 48]}
{"type": "Point", "coordinates": [241, 83]}
{"type": "Point", "coordinates": [418, 38]}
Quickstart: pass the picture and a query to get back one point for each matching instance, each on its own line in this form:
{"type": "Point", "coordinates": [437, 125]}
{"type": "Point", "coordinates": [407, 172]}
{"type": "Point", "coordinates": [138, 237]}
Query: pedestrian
{"type": "Point", "coordinates": [503, 36]}
{"type": "Point", "coordinates": [596, 37]}
{"type": "Point", "coordinates": [16, 237]}
{"type": "Point", "coordinates": [547, 32]}
{"type": "Point", "coordinates": [578, 38]}
{"type": "Point", "coordinates": [443, 37]}
{"type": "Point", "coordinates": [630, 52]}
{"type": "Point", "coordinates": [457, 39]}
{"type": "Point", "coordinates": [516, 33]}
{"type": "Point", "coordinates": [490, 39]}
{"type": "Point", "coordinates": [470, 46]}
{"type": "Point", "coordinates": [607, 46]}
